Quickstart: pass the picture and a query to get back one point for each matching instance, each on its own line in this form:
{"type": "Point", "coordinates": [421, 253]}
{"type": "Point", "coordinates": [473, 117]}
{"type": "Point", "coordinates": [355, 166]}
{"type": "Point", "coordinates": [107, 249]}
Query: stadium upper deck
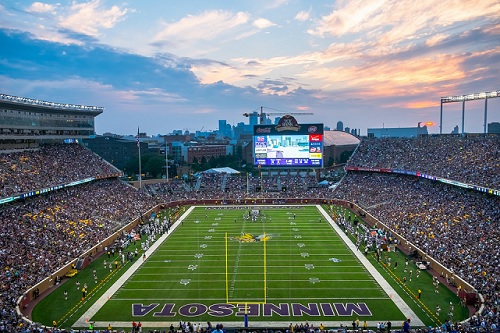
{"type": "Point", "coordinates": [30, 119]}
{"type": "Point", "coordinates": [470, 159]}
{"type": "Point", "coordinates": [50, 165]}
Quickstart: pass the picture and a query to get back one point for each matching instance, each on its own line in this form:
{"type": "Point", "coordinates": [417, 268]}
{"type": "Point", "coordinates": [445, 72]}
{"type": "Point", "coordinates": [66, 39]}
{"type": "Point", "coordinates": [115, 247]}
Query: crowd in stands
{"type": "Point", "coordinates": [471, 159]}
{"type": "Point", "coordinates": [239, 187]}
{"type": "Point", "coordinates": [457, 227]}
{"type": "Point", "coordinates": [44, 233]}
{"type": "Point", "coordinates": [22, 171]}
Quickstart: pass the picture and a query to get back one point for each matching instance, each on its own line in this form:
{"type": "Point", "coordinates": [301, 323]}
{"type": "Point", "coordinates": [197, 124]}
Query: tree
{"type": "Point", "coordinates": [132, 166]}
{"type": "Point", "coordinates": [151, 164]}
{"type": "Point", "coordinates": [205, 166]}
{"type": "Point", "coordinates": [213, 162]}
{"type": "Point", "coordinates": [154, 166]}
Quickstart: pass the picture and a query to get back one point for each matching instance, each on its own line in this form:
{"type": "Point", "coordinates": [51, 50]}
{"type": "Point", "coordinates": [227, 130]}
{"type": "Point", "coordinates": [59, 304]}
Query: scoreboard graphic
{"type": "Point", "coordinates": [288, 144]}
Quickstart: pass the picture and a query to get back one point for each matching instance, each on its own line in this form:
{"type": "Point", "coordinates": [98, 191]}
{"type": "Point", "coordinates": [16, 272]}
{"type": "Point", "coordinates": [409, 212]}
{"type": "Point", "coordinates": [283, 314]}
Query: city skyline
{"type": "Point", "coordinates": [165, 66]}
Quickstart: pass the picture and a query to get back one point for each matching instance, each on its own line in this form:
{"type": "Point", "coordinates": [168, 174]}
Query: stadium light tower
{"type": "Point", "coordinates": [463, 99]}
{"type": "Point", "coordinates": [166, 162]}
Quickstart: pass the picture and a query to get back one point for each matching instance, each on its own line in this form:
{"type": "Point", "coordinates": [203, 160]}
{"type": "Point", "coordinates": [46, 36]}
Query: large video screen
{"type": "Point", "coordinates": [288, 146]}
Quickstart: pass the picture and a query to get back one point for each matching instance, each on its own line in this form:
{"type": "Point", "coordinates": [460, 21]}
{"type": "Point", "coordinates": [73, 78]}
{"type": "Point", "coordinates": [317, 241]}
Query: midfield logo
{"type": "Point", "coordinates": [249, 238]}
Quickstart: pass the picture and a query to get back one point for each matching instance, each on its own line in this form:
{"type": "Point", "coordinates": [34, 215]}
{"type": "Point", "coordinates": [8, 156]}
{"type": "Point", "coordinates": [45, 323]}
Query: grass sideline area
{"type": "Point", "coordinates": [288, 265]}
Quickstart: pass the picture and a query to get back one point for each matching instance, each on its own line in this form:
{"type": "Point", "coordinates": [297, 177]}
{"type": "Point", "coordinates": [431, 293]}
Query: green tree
{"type": "Point", "coordinates": [154, 166]}
{"type": "Point", "coordinates": [132, 166]}
{"type": "Point", "coordinates": [205, 166]}
{"type": "Point", "coordinates": [213, 162]}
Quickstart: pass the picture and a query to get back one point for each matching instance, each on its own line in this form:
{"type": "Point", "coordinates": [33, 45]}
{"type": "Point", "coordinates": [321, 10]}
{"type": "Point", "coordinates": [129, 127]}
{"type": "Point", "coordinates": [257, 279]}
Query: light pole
{"type": "Point", "coordinates": [166, 163]}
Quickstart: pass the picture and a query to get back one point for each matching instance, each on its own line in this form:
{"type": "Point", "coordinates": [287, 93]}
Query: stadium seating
{"type": "Point", "coordinates": [470, 159]}
{"type": "Point", "coordinates": [458, 227]}
{"type": "Point", "coordinates": [22, 171]}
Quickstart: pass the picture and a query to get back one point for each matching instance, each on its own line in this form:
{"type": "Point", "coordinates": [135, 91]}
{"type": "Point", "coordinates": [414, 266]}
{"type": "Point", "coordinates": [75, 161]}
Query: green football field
{"type": "Point", "coordinates": [286, 265]}
{"type": "Point", "coordinates": [291, 264]}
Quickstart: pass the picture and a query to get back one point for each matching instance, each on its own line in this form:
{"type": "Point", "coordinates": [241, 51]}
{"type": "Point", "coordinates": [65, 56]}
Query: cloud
{"type": "Point", "coordinates": [263, 23]}
{"type": "Point", "coordinates": [39, 7]}
{"type": "Point", "coordinates": [275, 4]}
{"type": "Point", "coordinates": [273, 87]}
{"type": "Point", "coordinates": [207, 26]}
{"type": "Point", "coordinates": [89, 17]}
{"type": "Point", "coordinates": [422, 104]}
{"type": "Point", "coordinates": [401, 21]}
{"type": "Point", "coordinates": [302, 16]}
{"type": "Point", "coordinates": [435, 39]}
{"type": "Point", "coordinates": [394, 26]}
{"type": "Point", "coordinates": [406, 77]}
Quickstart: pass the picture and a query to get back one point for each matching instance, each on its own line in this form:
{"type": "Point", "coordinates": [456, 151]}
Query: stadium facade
{"type": "Point", "coordinates": [26, 121]}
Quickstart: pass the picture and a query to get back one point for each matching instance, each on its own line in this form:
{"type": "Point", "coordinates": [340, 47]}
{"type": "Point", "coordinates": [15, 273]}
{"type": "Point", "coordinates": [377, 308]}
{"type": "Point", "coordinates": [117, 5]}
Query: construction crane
{"type": "Point", "coordinates": [262, 115]}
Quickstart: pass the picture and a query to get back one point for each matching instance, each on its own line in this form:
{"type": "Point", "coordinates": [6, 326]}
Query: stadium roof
{"type": "Point", "coordinates": [34, 105]}
{"type": "Point", "coordinates": [339, 138]}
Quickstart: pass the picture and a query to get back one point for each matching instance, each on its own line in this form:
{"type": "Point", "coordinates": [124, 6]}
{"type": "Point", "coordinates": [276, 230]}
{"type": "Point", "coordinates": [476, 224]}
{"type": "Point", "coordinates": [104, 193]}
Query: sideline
{"type": "Point", "coordinates": [94, 308]}
{"type": "Point", "coordinates": [400, 303]}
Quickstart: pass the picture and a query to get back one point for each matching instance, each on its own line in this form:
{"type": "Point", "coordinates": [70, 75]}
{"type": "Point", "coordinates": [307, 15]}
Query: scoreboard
{"type": "Point", "coordinates": [288, 144]}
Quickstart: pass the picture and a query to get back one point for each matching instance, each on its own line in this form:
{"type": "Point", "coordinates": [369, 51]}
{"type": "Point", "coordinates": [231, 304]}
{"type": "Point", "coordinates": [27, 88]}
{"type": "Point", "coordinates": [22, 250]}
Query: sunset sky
{"type": "Point", "coordinates": [165, 65]}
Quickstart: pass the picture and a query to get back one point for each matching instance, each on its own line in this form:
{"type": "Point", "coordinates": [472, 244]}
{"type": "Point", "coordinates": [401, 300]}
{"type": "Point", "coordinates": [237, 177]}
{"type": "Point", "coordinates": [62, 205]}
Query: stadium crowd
{"type": "Point", "coordinates": [239, 187]}
{"type": "Point", "coordinates": [457, 227]}
{"type": "Point", "coordinates": [471, 159]}
{"type": "Point", "coordinates": [49, 165]}
{"type": "Point", "coordinates": [42, 234]}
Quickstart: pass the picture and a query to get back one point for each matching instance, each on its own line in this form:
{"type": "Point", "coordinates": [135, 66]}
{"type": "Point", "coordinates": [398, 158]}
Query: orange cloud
{"type": "Point", "coordinates": [392, 78]}
{"type": "Point", "coordinates": [421, 104]}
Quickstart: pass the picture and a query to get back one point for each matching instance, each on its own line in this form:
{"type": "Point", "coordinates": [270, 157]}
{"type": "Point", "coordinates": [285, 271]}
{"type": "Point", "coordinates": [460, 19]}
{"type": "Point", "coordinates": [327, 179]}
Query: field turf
{"type": "Point", "coordinates": [288, 266]}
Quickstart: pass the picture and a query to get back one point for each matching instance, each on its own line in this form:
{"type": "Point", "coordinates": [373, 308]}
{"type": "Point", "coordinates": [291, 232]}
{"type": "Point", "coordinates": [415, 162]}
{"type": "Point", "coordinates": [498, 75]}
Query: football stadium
{"type": "Point", "coordinates": [409, 237]}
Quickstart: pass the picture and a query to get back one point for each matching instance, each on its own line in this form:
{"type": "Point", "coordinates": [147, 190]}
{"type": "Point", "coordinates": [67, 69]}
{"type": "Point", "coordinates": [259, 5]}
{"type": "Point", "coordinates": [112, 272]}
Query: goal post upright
{"type": "Point", "coordinates": [227, 279]}
{"type": "Point", "coordinates": [265, 268]}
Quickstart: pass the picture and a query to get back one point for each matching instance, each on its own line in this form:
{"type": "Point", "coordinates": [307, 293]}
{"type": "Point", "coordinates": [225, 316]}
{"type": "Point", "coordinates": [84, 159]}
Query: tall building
{"type": "Point", "coordinates": [253, 119]}
{"type": "Point", "coordinates": [340, 126]}
{"type": "Point", "coordinates": [222, 128]}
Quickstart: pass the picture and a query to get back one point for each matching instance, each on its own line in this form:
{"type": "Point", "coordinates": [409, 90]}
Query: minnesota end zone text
{"type": "Point", "coordinates": [267, 309]}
